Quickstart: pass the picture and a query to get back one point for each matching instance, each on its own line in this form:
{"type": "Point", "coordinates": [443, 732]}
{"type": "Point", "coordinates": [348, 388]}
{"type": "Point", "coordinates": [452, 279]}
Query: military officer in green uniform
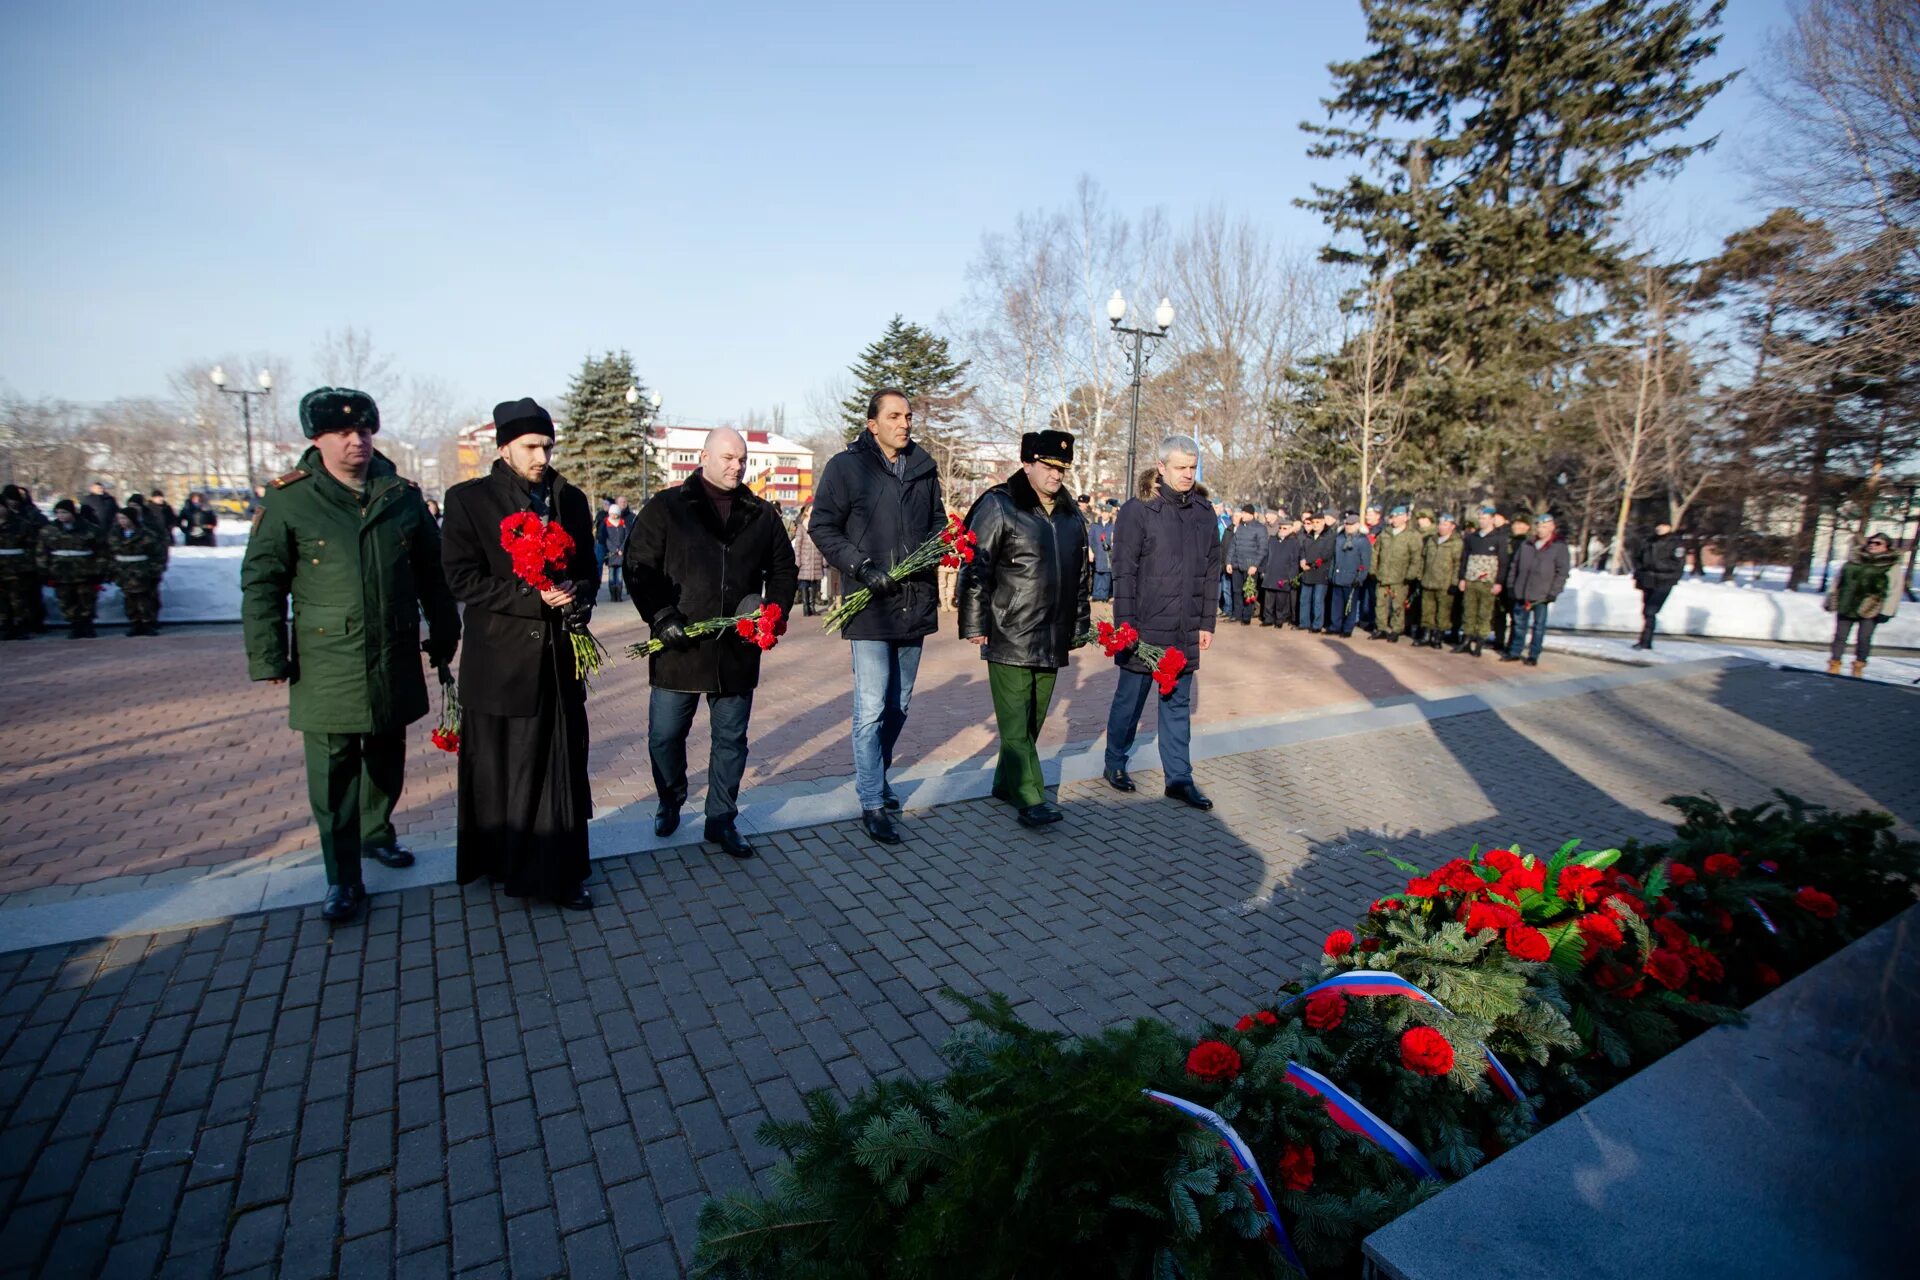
{"type": "Point", "coordinates": [353, 545]}
{"type": "Point", "coordinates": [1439, 571]}
{"type": "Point", "coordinates": [1397, 561]}
{"type": "Point", "coordinates": [135, 563]}
{"type": "Point", "coordinates": [20, 575]}
{"type": "Point", "coordinates": [70, 558]}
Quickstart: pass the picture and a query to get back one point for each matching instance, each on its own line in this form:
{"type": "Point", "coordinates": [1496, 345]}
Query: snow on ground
{"type": "Point", "coordinates": [1886, 667]}
{"type": "Point", "coordinates": [1720, 610]}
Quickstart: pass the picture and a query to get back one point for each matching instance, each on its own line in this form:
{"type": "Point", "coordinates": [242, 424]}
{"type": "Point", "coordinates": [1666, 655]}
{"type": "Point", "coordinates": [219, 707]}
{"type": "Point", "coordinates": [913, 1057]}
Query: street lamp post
{"type": "Point", "coordinates": [219, 379]}
{"type": "Point", "coordinates": [643, 421]}
{"type": "Point", "coordinates": [1134, 340]}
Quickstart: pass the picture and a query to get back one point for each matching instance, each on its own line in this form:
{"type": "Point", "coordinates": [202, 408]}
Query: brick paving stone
{"type": "Point", "coordinates": [531, 1093]}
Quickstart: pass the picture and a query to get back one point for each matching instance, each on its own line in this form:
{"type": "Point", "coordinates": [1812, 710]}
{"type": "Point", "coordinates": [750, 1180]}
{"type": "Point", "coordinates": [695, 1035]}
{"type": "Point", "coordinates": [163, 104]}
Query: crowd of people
{"type": "Point", "coordinates": [82, 547]}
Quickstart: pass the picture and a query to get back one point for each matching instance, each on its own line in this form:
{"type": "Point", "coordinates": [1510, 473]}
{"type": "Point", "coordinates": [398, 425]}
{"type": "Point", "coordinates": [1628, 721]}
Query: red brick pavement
{"type": "Point", "coordinates": [122, 757]}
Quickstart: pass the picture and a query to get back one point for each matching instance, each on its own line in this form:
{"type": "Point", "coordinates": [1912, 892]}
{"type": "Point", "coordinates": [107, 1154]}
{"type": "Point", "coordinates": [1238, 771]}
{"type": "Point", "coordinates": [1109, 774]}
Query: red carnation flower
{"type": "Point", "coordinates": [1820, 905]}
{"type": "Point", "coordinates": [1214, 1062]}
{"type": "Point", "coordinates": [1245, 1023]}
{"type": "Point", "coordinates": [1425, 1052]}
{"type": "Point", "coordinates": [1670, 933]}
{"type": "Point", "coordinates": [1385, 905]}
{"type": "Point", "coordinates": [1489, 915]}
{"type": "Point", "coordinates": [1579, 884]}
{"type": "Point", "coordinates": [1668, 968]}
{"type": "Point", "coordinates": [1266, 1018]}
{"type": "Point", "coordinates": [1722, 920]}
{"type": "Point", "coordinates": [1705, 964]}
{"type": "Point", "coordinates": [1528, 943]}
{"type": "Point", "coordinates": [1722, 864]}
{"type": "Point", "coordinates": [1339, 942]}
{"type": "Point", "coordinates": [1601, 932]}
{"type": "Point", "coordinates": [1459, 876]}
{"type": "Point", "coordinates": [1296, 1166]}
{"type": "Point", "coordinates": [1680, 873]}
{"type": "Point", "coordinates": [1326, 1010]}
{"type": "Point", "coordinates": [744, 628]}
{"type": "Point", "coordinates": [1502, 860]}
{"type": "Point", "coordinates": [1765, 974]}
{"type": "Point", "coordinates": [1369, 944]}
{"type": "Point", "coordinates": [1423, 887]}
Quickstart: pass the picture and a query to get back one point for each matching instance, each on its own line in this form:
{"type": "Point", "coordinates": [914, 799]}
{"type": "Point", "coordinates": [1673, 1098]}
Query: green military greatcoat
{"type": "Point", "coordinates": [361, 570]}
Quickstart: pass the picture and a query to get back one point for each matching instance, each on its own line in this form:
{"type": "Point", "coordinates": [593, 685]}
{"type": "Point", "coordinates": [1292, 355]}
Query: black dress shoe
{"type": "Point", "coordinates": [880, 826]}
{"type": "Point", "coordinates": [728, 837]}
{"type": "Point", "coordinates": [891, 803]}
{"type": "Point", "coordinates": [578, 900]}
{"type": "Point", "coordinates": [390, 855]}
{"type": "Point", "coordinates": [343, 903]}
{"type": "Point", "coordinates": [1509, 657]}
{"type": "Point", "coordinates": [666, 821]}
{"type": "Point", "coordinates": [1040, 815]}
{"type": "Point", "coordinates": [1119, 780]}
{"type": "Point", "coordinates": [1534, 662]}
{"type": "Point", "coordinates": [1188, 794]}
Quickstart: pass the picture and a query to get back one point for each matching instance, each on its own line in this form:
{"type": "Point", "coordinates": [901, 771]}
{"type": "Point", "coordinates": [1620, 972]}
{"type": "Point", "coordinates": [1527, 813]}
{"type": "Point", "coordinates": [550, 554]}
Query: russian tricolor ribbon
{"type": "Point", "coordinates": [1375, 982]}
{"type": "Point", "coordinates": [1765, 919]}
{"type": "Point", "coordinates": [1348, 1112]}
{"type": "Point", "coordinates": [1242, 1158]}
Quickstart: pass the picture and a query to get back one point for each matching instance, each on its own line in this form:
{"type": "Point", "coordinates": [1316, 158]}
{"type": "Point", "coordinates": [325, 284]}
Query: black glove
{"type": "Point", "coordinates": [673, 635]}
{"type": "Point", "coordinates": [876, 580]}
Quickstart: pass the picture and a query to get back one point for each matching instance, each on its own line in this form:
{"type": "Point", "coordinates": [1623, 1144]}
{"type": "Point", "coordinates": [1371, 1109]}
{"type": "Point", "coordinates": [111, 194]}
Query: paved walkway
{"type": "Point", "coordinates": [461, 1085]}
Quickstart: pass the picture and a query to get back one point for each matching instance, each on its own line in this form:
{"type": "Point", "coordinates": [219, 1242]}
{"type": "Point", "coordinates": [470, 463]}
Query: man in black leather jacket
{"type": "Point", "coordinates": [1026, 600]}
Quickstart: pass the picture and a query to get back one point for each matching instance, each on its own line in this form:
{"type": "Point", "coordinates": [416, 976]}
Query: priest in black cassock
{"type": "Point", "coordinates": [524, 799]}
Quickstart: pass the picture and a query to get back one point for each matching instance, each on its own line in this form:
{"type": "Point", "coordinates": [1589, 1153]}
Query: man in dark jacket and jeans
{"type": "Point", "coordinates": [1657, 569]}
{"type": "Point", "coordinates": [1246, 552]}
{"type": "Point", "coordinates": [709, 548]}
{"type": "Point", "coordinates": [1026, 600]}
{"type": "Point", "coordinates": [877, 501]}
{"type": "Point", "coordinates": [1166, 562]}
{"type": "Point", "coordinates": [1535, 580]}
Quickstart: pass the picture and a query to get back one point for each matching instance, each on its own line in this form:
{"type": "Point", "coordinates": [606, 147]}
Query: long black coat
{"type": "Point", "coordinates": [507, 627]}
{"type": "Point", "coordinates": [1282, 564]}
{"type": "Point", "coordinates": [1029, 589]}
{"type": "Point", "coordinates": [862, 511]}
{"type": "Point", "coordinates": [683, 564]}
{"type": "Point", "coordinates": [1316, 546]}
{"type": "Point", "coordinates": [1166, 568]}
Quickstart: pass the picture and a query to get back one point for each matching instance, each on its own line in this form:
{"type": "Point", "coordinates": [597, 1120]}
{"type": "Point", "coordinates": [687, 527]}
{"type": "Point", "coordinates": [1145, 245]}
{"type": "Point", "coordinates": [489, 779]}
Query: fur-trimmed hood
{"type": "Point", "coordinates": [1148, 485]}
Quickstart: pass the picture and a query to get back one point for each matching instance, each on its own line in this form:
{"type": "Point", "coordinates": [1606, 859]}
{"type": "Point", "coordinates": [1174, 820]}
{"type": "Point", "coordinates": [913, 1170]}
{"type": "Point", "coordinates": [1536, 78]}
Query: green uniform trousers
{"type": "Point", "coordinates": [17, 598]}
{"type": "Point", "coordinates": [77, 600]}
{"type": "Point", "coordinates": [1436, 608]}
{"type": "Point", "coordinates": [353, 783]}
{"type": "Point", "coordinates": [1393, 606]}
{"type": "Point", "coordinates": [1021, 696]}
{"type": "Point", "coordinates": [142, 605]}
{"type": "Point", "coordinates": [1477, 611]}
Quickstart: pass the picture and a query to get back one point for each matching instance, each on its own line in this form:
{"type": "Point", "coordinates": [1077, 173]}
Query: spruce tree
{"type": "Point", "coordinates": [1498, 139]}
{"type": "Point", "coordinates": [918, 362]}
{"type": "Point", "coordinates": [600, 440]}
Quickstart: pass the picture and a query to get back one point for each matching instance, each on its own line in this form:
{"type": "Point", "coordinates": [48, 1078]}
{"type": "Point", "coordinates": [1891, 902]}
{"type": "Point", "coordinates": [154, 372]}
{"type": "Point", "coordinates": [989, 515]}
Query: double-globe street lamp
{"type": "Point", "coordinates": [643, 422]}
{"type": "Point", "coordinates": [219, 379]}
{"type": "Point", "coordinates": [1135, 340]}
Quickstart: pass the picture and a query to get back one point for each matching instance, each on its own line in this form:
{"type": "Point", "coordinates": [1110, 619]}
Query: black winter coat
{"type": "Point", "coordinates": [683, 565]}
{"type": "Point", "coordinates": [1317, 547]}
{"type": "Point", "coordinates": [1029, 589]}
{"type": "Point", "coordinates": [100, 508]}
{"type": "Point", "coordinates": [509, 630]}
{"type": "Point", "coordinates": [861, 512]}
{"type": "Point", "coordinates": [1661, 562]}
{"type": "Point", "coordinates": [1166, 568]}
{"type": "Point", "coordinates": [198, 519]}
{"type": "Point", "coordinates": [1246, 545]}
{"type": "Point", "coordinates": [1283, 560]}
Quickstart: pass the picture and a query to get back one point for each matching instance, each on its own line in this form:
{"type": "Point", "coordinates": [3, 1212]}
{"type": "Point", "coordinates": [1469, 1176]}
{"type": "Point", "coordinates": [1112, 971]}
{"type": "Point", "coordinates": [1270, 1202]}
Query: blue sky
{"type": "Point", "coordinates": [740, 194]}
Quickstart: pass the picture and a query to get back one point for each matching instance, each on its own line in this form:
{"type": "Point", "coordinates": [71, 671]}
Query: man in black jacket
{"type": "Point", "coordinates": [99, 508]}
{"type": "Point", "coordinates": [709, 548]}
{"type": "Point", "coordinates": [1026, 600]}
{"type": "Point", "coordinates": [1315, 568]}
{"type": "Point", "coordinates": [1246, 551]}
{"type": "Point", "coordinates": [1657, 568]}
{"type": "Point", "coordinates": [198, 519]}
{"type": "Point", "coordinates": [1283, 566]}
{"type": "Point", "coordinates": [1166, 562]}
{"type": "Point", "coordinates": [1484, 555]}
{"type": "Point", "coordinates": [877, 501]}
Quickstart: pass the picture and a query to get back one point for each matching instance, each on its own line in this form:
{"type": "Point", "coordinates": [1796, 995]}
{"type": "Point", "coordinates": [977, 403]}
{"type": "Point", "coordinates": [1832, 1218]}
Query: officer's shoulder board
{"type": "Point", "coordinates": [292, 477]}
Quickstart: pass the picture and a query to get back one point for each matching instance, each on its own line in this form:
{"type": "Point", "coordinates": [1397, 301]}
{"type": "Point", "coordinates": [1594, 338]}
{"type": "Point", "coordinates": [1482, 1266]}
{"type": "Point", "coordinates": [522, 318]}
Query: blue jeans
{"type": "Point", "coordinates": [883, 675]}
{"type": "Point", "coordinates": [1527, 618]}
{"type": "Point", "coordinates": [1175, 728]}
{"type": "Point", "coordinates": [1102, 585]}
{"type": "Point", "coordinates": [669, 717]}
{"type": "Point", "coordinates": [1226, 593]}
{"type": "Point", "coordinates": [1313, 605]}
{"type": "Point", "coordinates": [1346, 608]}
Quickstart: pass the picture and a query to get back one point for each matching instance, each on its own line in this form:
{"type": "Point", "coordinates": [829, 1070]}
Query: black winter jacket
{"type": "Point", "coordinates": [861, 512]}
{"type": "Point", "coordinates": [683, 564]}
{"type": "Point", "coordinates": [1029, 589]}
{"type": "Point", "coordinates": [1283, 561]}
{"type": "Point", "coordinates": [1246, 545]}
{"type": "Point", "coordinates": [1166, 568]}
{"type": "Point", "coordinates": [1661, 562]}
{"type": "Point", "coordinates": [1496, 546]}
{"type": "Point", "coordinates": [1538, 573]}
{"type": "Point", "coordinates": [508, 629]}
{"type": "Point", "coordinates": [1317, 547]}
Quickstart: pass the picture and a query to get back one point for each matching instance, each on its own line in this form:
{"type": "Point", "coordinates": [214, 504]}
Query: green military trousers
{"type": "Point", "coordinates": [1476, 611]}
{"type": "Point", "coordinates": [1021, 696]}
{"type": "Point", "coordinates": [1436, 608]}
{"type": "Point", "coordinates": [353, 784]}
{"type": "Point", "coordinates": [1393, 605]}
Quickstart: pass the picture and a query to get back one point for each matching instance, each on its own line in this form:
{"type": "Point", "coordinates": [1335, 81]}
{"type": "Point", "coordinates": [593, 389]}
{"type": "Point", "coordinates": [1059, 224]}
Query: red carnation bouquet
{"type": "Point", "coordinates": [1250, 593]}
{"type": "Point", "coordinates": [952, 547]}
{"type": "Point", "coordinates": [1167, 664]}
{"type": "Point", "coordinates": [762, 629]}
{"type": "Point", "coordinates": [539, 550]}
{"type": "Point", "coordinates": [447, 735]}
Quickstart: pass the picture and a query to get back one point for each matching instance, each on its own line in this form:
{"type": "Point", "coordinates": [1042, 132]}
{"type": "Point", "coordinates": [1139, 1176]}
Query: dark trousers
{"type": "Point", "coordinates": [1651, 598]}
{"type": "Point", "coordinates": [1344, 614]}
{"type": "Point", "coordinates": [142, 605]}
{"type": "Point", "coordinates": [669, 717]}
{"type": "Point", "coordinates": [353, 783]}
{"type": "Point", "coordinates": [1278, 602]}
{"type": "Point", "coordinates": [77, 600]}
{"type": "Point", "coordinates": [1175, 727]}
{"type": "Point", "coordinates": [1313, 605]}
{"type": "Point", "coordinates": [1862, 647]}
{"type": "Point", "coordinates": [809, 595]}
{"type": "Point", "coordinates": [1102, 585]}
{"type": "Point", "coordinates": [1242, 608]}
{"type": "Point", "coordinates": [1368, 601]}
{"type": "Point", "coordinates": [17, 598]}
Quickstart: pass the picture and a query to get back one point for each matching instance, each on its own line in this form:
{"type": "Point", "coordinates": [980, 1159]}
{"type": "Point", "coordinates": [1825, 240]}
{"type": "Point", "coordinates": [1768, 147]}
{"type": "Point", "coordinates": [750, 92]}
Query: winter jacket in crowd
{"type": "Point", "coordinates": [100, 508]}
{"type": "Point", "coordinates": [1660, 562]}
{"type": "Point", "coordinates": [1029, 586]}
{"type": "Point", "coordinates": [1352, 558]}
{"type": "Point", "coordinates": [1283, 558]}
{"type": "Point", "coordinates": [867, 510]}
{"type": "Point", "coordinates": [1397, 555]}
{"type": "Point", "coordinates": [1166, 567]}
{"type": "Point", "coordinates": [808, 562]}
{"type": "Point", "coordinates": [1247, 545]}
{"type": "Point", "coordinates": [1870, 585]}
{"type": "Point", "coordinates": [1101, 539]}
{"type": "Point", "coordinates": [1440, 563]}
{"type": "Point", "coordinates": [614, 532]}
{"type": "Point", "coordinates": [198, 520]}
{"type": "Point", "coordinates": [1538, 572]}
{"type": "Point", "coordinates": [71, 552]}
{"type": "Point", "coordinates": [1484, 556]}
{"type": "Point", "coordinates": [136, 558]}
{"type": "Point", "coordinates": [1317, 551]}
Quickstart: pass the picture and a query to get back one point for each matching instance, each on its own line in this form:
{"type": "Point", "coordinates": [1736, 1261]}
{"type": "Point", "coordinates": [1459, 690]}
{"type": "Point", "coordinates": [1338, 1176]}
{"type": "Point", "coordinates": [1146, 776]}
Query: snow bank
{"type": "Point", "coordinates": [202, 585]}
{"type": "Point", "coordinates": [1720, 610]}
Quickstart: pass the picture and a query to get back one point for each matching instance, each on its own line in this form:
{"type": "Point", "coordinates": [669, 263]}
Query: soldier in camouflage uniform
{"type": "Point", "coordinates": [1439, 571]}
{"type": "Point", "coordinates": [1397, 560]}
{"type": "Point", "coordinates": [20, 574]}
{"type": "Point", "coordinates": [1484, 555]}
{"type": "Point", "coordinates": [70, 558]}
{"type": "Point", "coordinates": [136, 560]}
